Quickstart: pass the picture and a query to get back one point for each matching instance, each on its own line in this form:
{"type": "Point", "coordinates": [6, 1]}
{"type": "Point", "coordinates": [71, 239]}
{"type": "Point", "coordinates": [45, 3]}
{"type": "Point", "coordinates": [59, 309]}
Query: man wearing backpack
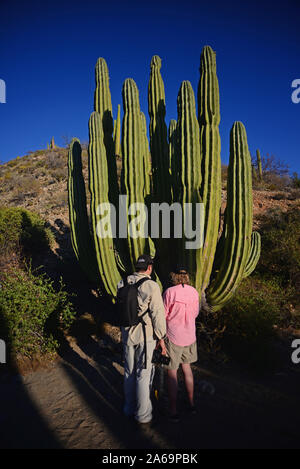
{"type": "Point", "coordinates": [139, 340]}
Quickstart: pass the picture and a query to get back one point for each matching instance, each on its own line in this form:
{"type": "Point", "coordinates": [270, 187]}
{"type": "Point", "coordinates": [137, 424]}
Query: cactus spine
{"type": "Point", "coordinates": [259, 166]}
{"type": "Point", "coordinates": [209, 120]}
{"type": "Point", "coordinates": [238, 220]}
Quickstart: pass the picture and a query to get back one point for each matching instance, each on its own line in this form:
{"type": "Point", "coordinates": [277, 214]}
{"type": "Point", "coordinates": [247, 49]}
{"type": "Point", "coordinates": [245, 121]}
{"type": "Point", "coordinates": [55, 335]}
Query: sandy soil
{"type": "Point", "coordinates": [77, 403]}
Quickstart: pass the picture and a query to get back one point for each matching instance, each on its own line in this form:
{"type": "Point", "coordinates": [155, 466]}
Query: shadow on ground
{"type": "Point", "coordinates": [77, 402]}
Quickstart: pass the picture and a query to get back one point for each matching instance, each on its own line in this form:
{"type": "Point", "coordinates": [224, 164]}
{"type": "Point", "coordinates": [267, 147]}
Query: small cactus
{"type": "Point", "coordinates": [259, 165]}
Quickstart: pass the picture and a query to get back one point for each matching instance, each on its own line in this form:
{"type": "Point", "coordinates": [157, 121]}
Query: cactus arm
{"type": "Point", "coordinates": [174, 161]}
{"type": "Point", "coordinates": [189, 144]}
{"type": "Point", "coordinates": [133, 163]}
{"type": "Point", "coordinates": [146, 157]}
{"type": "Point", "coordinates": [158, 133]}
{"type": "Point", "coordinates": [99, 187]}
{"type": "Point", "coordinates": [79, 224]}
{"type": "Point", "coordinates": [259, 166]}
{"type": "Point", "coordinates": [103, 106]}
{"type": "Point", "coordinates": [209, 120]}
{"type": "Point", "coordinates": [238, 220]}
{"type": "Point", "coordinates": [254, 254]}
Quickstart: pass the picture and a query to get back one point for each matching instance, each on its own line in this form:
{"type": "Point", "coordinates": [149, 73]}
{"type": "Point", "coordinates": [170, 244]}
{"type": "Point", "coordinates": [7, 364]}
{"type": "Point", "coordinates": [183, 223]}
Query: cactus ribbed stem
{"type": "Point", "coordinates": [158, 134]}
{"type": "Point", "coordinates": [254, 254]}
{"type": "Point", "coordinates": [174, 161]}
{"type": "Point", "coordinates": [209, 119]}
{"type": "Point", "coordinates": [133, 180]}
{"type": "Point", "coordinates": [102, 97]}
{"type": "Point", "coordinates": [146, 158]}
{"type": "Point", "coordinates": [99, 187]}
{"type": "Point", "coordinates": [259, 165]}
{"type": "Point", "coordinates": [238, 222]}
{"type": "Point", "coordinates": [189, 145]}
{"type": "Point", "coordinates": [79, 223]}
{"type": "Point", "coordinates": [103, 106]}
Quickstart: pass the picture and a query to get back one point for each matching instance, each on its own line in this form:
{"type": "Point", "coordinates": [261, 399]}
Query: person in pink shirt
{"type": "Point", "coordinates": [182, 306]}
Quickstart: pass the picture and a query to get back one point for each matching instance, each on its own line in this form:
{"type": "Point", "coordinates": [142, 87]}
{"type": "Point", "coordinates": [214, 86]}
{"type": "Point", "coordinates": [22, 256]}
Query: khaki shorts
{"type": "Point", "coordinates": [180, 354]}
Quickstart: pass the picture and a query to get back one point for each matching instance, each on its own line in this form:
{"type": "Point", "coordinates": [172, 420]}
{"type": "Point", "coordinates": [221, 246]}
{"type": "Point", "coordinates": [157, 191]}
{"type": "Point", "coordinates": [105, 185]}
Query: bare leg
{"type": "Point", "coordinates": [189, 381]}
{"type": "Point", "coordinates": [172, 390]}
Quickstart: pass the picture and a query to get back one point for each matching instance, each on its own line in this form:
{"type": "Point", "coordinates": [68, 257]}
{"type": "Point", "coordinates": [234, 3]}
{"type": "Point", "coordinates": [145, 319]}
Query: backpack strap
{"type": "Point", "coordinates": [145, 342]}
{"type": "Point", "coordinates": [138, 284]}
{"type": "Point", "coordinates": [141, 281]}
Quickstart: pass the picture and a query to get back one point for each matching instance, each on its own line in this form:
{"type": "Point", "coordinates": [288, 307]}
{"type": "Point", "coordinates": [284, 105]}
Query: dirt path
{"type": "Point", "coordinates": [77, 402]}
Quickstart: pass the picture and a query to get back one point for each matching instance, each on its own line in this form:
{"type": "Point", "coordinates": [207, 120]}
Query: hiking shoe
{"type": "Point", "coordinates": [146, 425]}
{"type": "Point", "coordinates": [174, 418]}
{"type": "Point", "coordinates": [192, 410]}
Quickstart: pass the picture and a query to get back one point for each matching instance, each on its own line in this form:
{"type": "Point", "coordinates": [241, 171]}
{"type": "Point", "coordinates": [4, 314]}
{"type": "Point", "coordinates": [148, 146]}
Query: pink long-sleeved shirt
{"type": "Point", "coordinates": [182, 308]}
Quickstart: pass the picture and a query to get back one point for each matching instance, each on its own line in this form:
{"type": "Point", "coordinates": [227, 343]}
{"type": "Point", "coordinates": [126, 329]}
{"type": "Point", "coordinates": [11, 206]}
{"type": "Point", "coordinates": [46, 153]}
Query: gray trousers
{"type": "Point", "coordinates": [138, 381]}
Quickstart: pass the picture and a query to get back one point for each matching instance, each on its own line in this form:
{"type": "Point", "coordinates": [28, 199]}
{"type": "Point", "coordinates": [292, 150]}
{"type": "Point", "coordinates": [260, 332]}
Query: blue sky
{"type": "Point", "coordinates": [48, 51]}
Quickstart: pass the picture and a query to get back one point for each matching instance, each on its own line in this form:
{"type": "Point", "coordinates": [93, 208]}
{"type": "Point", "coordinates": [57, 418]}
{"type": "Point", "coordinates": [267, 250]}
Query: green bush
{"type": "Point", "coordinates": [296, 181]}
{"type": "Point", "coordinates": [20, 228]}
{"type": "Point", "coordinates": [32, 313]}
{"type": "Point", "coordinates": [280, 255]}
{"type": "Point", "coordinates": [249, 320]}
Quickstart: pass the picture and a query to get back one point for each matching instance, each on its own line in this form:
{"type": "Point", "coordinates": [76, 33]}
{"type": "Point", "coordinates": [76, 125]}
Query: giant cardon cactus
{"type": "Point", "coordinates": [183, 166]}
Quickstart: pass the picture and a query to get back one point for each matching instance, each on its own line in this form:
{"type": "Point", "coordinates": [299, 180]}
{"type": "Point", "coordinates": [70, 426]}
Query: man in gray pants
{"type": "Point", "coordinates": [137, 378]}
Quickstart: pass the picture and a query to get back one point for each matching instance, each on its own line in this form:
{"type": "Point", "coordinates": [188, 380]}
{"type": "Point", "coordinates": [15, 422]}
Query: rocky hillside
{"type": "Point", "coordinates": [38, 182]}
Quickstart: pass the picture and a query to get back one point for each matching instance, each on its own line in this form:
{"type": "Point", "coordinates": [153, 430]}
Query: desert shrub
{"type": "Point", "coordinates": [275, 182]}
{"type": "Point", "coordinates": [7, 176]}
{"type": "Point", "coordinates": [249, 320]}
{"type": "Point", "coordinates": [24, 186]}
{"type": "Point", "coordinates": [296, 181]}
{"type": "Point", "coordinates": [22, 229]}
{"type": "Point", "coordinates": [55, 160]}
{"type": "Point", "coordinates": [24, 168]}
{"type": "Point", "coordinates": [280, 196]}
{"type": "Point", "coordinates": [32, 313]}
{"type": "Point", "coordinates": [275, 173]}
{"type": "Point", "coordinates": [12, 163]}
{"type": "Point", "coordinates": [59, 174]}
{"type": "Point", "coordinates": [59, 200]}
{"type": "Point", "coordinates": [29, 185]}
{"type": "Point", "coordinates": [224, 174]}
{"type": "Point", "coordinates": [33, 154]}
{"type": "Point", "coordinates": [243, 330]}
{"type": "Point", "coordinates": [294, 194]}
{"type": "Point", "coordinates": [280, 254]}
